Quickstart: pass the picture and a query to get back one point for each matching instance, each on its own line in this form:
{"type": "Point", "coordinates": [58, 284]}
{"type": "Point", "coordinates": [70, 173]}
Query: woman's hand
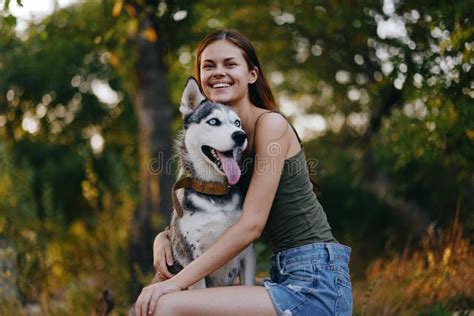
{"type": "Point", "coordinates": [149, 296]}
{"type": "Point", "coordinates": [162, 255]}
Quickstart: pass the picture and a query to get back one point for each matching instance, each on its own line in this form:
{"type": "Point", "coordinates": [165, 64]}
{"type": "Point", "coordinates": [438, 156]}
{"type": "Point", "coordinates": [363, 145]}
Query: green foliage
{"type": "Point", "coordinates": [428, 138]}
{"type": "Point", "coordinates": [400, 105]}
{"type": "Point", "coordinates": [16, 196]}
{"type": "Point", "coordinates": [65, 267]}
{"type": "Point", "coordinates": [62, 202]}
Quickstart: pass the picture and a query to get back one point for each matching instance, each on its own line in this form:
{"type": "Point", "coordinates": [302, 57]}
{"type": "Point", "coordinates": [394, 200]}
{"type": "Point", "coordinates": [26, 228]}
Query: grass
{"type": "Point", "coordinates": [435, 279]}
{"type": "Point", "coordinates": [62, 273]}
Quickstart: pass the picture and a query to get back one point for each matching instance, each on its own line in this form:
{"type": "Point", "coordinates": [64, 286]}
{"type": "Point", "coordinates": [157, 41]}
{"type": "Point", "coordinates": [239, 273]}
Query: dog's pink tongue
{"type": "Point", "coordinates": [231, 169]}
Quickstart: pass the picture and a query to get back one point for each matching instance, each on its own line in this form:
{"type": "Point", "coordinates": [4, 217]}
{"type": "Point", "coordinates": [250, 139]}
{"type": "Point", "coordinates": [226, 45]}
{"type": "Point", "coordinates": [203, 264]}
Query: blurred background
{"type": "Point", "coordinates": [381, 91]}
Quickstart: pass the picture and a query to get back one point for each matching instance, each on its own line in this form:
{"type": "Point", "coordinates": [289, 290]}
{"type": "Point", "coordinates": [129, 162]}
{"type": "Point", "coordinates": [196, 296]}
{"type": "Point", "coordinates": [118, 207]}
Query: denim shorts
{"type": "Point", "coordinates": [312, 279]}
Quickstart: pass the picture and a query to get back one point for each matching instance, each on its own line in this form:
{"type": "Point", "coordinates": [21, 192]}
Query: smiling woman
{"type": "Point", "coordinates": [225, 75]}
{"type": "Point", "coordinates": [228, 59]}
{"type": "Point", "coordinates": [309, 269]}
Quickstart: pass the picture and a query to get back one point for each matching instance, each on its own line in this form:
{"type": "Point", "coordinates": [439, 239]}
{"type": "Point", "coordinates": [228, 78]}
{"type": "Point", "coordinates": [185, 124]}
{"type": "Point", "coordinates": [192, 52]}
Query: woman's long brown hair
{"type": "Point", "coordinates": [260, 93]}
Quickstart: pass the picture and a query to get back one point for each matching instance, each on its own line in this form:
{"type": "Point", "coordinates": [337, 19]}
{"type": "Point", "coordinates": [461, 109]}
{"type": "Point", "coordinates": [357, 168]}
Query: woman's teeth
{"type": "Point", "coordinates": [220, 85]}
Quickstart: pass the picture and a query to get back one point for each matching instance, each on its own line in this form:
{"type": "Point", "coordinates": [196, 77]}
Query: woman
{"type": "Point", "coordinates": [309, 269]}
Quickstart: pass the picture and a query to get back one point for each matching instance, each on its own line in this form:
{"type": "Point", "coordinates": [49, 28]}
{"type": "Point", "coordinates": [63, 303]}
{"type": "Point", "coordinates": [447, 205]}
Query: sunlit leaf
{"type": "Point", "coordinates": [131, 10]}
{"type": "Point", "coordinates": [3, 223]}
{"type": "Point", "coordinates": [150, 35]}
{"type": "Point", "coordinates": [470, 134]}
{"type": "Point", "coordinates": [117, 8]}
{"type": "Point", "coordinates": [114, 59]}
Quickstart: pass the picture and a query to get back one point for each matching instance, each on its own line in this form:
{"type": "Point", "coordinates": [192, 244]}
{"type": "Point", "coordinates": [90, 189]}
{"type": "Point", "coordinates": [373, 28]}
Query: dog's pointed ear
{"type": "Point", "coordinates": [191, 98]}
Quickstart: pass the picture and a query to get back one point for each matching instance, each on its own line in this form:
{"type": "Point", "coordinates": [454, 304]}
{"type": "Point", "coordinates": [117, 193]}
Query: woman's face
{"type": "Point", "coordinates": [225, 75]}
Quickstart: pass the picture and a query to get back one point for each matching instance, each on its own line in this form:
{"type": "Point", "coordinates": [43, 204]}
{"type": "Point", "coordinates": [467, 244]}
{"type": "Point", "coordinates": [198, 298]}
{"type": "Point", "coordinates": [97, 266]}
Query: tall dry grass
{"type": "Point", "coordinates": [437, 278]}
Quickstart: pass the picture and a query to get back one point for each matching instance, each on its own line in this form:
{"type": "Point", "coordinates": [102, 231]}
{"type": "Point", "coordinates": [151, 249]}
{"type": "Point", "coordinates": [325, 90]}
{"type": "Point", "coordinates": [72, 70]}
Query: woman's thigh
{"type": "Point", "coordinates": [232, 300]}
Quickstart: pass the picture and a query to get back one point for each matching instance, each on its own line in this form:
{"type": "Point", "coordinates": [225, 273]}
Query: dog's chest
{"type": "Point", "coordinates": [206, 219]}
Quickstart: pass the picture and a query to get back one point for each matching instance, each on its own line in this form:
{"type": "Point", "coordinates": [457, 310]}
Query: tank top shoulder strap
{"type": "Point", "coordinates": [261, 114]}
{"type": "Point", "coordinates": [294, 130]}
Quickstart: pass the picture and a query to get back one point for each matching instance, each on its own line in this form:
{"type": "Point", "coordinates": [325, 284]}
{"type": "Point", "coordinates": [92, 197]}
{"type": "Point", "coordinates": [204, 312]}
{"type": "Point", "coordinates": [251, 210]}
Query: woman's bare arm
{"type": "Point", "coordinates": [272, 143]}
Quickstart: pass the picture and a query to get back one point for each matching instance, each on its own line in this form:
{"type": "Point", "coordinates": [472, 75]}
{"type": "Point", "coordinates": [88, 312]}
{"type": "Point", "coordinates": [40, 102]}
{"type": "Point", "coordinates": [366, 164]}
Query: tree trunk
{"type": "Point", "coordinates": [414, 218]}
{"type": "Point", "coordinates": [8, 272]}
{"type": "Point", "coordinates": [378, 182]}
{"type": "Point", "coordinates": [153, 110]}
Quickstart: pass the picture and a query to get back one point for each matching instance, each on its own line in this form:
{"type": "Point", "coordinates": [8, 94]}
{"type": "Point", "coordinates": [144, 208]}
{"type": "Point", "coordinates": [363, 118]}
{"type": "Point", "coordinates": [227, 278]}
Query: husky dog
{"type": "Point", "coordinates": [209, 150]}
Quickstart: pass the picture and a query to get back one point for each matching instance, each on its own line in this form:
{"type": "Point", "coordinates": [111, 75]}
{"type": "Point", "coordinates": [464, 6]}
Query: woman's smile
{"type": "Point", "coordinates": [219, 87]}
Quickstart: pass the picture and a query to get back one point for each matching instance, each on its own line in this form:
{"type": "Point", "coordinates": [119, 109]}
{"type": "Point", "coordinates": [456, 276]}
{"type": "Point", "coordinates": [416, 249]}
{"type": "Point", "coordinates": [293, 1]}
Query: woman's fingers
{"type": "Point", "coordinates": [157, 252]}
{"type": "Point", "coordinates": [163, 269]}
{"type": "Point", "coordinates": [158, 258]}
{"type": "Point", "coordinates": [169, 254]}
{"type": "Point", "coordinates": [147, 299]}
{"type": "Point", "coordinates": [154, 299]}
{"type": "Point", "coordinates": [146, 302]}
{"type": "Point", "coordinates": [161, 289]}
{"type": "Point", "coordinates": [144, 307]}
{"type": "Point", "coordinates": [141, 302]}
{"type": "Point", "coordinates": [161, 266]}
{"type": "Point", "coordinates": [162, 255]}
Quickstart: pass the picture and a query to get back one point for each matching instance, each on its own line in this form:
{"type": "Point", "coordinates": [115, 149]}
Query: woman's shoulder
{"type": "Point", "coordinates": [271, 125]}
{"type": "Point", "coordinates": [271, 137]}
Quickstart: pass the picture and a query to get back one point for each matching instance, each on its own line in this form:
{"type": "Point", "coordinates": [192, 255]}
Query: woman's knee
{"type": "Point", "coordinates": [167, 305]}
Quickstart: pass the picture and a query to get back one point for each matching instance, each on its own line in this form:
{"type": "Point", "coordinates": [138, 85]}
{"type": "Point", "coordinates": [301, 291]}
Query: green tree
{"type": "Point", "coordinates": [54, 118]}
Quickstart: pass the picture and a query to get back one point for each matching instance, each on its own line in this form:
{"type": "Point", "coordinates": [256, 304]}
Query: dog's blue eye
{"type": "Point", "coordinates": [237, 123]}
{"type": "Point", "coordinates": [214, 122]}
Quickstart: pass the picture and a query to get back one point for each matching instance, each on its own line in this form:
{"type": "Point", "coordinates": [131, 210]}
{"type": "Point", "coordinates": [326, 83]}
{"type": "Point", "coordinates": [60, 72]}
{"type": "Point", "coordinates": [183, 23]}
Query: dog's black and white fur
{"type": "Point", "coordinates": [209, 149]}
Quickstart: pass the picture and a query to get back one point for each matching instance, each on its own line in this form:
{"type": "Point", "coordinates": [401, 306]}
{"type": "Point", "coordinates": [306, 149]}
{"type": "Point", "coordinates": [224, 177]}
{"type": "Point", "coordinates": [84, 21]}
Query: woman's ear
{"type": "Point", "coordinates": [253, 75]}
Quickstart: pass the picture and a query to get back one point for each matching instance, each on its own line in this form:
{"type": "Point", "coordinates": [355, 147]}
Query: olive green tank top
{"type": "Point", "coordinates": [296, 218]}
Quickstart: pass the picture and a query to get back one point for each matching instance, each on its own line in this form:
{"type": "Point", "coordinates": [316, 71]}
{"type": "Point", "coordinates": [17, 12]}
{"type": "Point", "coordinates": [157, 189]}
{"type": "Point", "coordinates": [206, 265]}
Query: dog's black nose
{"type": "Point", "coordinates": [239, 138]}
